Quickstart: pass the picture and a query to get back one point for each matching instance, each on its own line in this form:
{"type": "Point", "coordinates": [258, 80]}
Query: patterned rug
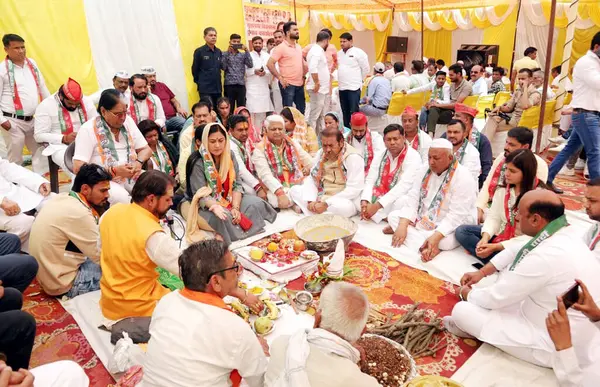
{"type": "Point", "coordinates": [394, 287]}
{"type": "Point", "coordinates": [574, 188]}
{"type": "Point", "coordinates": [59, 337]}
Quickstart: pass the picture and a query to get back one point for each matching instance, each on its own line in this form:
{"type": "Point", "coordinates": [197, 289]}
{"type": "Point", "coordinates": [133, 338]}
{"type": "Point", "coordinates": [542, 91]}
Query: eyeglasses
{"type": "Point", "coordinates": [236, 266]}
{"type": "Point", "coordinates": [118, 114]}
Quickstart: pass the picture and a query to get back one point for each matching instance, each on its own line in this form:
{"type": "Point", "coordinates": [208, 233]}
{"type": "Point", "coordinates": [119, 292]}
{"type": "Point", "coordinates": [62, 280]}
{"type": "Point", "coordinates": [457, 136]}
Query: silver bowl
{"type": "Point", "coordinates": [324, 245]}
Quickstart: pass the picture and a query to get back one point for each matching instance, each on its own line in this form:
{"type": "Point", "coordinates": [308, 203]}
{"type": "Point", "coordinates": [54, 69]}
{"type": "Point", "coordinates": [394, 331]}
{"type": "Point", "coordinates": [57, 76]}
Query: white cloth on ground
{"type": "Point", "coordinates": [63, 373]}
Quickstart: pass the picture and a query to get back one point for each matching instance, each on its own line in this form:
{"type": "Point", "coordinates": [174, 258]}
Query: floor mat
{"type": "Point", "coordinates": [574, 191]}
{"type": "Point", "coordinates": [58, 337]}
{"type": "Point", "coordinates": [393, 287]}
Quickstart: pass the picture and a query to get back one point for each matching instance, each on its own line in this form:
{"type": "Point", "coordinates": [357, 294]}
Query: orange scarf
{"type": "Point", "coordinates": [211, 299]}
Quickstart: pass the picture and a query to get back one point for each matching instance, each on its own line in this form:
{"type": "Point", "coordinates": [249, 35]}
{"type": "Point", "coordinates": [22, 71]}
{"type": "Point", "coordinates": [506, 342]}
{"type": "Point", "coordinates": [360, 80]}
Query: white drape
{"type": "Point", "coordinates": [530, 35]}
{"type": "Point", "coordinates": [128, 34]}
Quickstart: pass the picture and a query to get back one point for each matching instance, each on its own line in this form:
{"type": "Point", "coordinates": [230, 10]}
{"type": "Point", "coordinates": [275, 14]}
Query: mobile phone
{"type": "Point", "coordinates": [571, 296]}
{"type": "Point", "coordinates": [237, 46]}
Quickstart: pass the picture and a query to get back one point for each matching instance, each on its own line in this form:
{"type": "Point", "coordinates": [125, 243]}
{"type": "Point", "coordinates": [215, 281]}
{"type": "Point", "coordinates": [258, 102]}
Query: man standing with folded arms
{"type": "Point", "coordinates": [22, 88]}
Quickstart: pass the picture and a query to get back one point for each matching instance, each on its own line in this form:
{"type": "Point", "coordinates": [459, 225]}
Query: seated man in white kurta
{"type": "Point", "coordinates": [418, 139]}
{"type": "Point", "coordinates": [392, 175]}
{"type": "Point", "coordinates": [335, 181]}
{"type": "Point", "coordinates": [21, 190]}
{"type": "Point", "coordinates": [113, 141]}
{"type": "Point", "coordinates": [281, 163]}
{"type": "Point", "coordinates": [466, 154]}
{"type": "Point", "coordinates": [592, 207]}
{"type": "Point", "coordinates": [144, 105]}
{"type": "Point", "coordinates": [242, 148]}
{"type": "Point", "coordinates": [367, 143]}
{"type": "Point", "coordinates": [441, 199]}
{"type": "Point", "coordinates": [511, 313]}
{"type": "Point", "coordinates": [58, 119]}
{"type": "Point", "coordinates": [120, 82]}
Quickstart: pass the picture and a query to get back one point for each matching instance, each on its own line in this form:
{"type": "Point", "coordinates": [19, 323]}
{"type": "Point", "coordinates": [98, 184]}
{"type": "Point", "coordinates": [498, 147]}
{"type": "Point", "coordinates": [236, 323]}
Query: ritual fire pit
{"type": "Point", "coordinates": [321, 232]}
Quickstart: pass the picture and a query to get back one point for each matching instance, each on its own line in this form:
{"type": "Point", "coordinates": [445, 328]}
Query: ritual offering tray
{"type": "Point", "coordinates": [386, 360]}
{"type": "Point", "coordinates": [321, 232]}
{"type": "Point", "coordinates": [276, 258]}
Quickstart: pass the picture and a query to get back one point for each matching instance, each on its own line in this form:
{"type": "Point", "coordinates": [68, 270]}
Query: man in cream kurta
{"type": "Point", "coordinates": [510, 314]}
{"type": "Point", "coordinates": [258, 99]}
{"type": "Point", "coordinates": [242, 148]}
{"type": "Point", "coordinates": [279, 186]}
{"type": "Point", "coordinates": [466, 154]}
{"type": "Point", "coordinates": [366, 142]}
{"type": "Point", "coordinates": [440, 201]}
{"type": "Point", "coordinates": [58, 119]}
{"type": "Point", "coordinates": [143, 105]}
{"type": "Point", "coordinates": [20, 191]}
{"type": "Point", "coordinates": [393, 174]}
{"type": "Point", "coordinates": [201, 114]}
{"type": "Point", "coordinates": [331, 187]}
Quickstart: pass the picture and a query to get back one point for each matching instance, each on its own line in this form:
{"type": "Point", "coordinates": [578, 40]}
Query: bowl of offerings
{"type": "Point", "coordinates": [386, 360]}
{"type": "Point", "coordinates": [321, 232]}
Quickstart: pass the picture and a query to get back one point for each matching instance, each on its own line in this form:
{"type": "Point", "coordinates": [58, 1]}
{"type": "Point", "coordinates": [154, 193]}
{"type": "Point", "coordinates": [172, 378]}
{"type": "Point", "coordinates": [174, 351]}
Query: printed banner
{"type": "Point", "coordinates": [262, 20]}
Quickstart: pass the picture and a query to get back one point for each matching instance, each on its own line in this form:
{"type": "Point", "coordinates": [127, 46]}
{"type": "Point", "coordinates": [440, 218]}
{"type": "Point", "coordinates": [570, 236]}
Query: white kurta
{"type": "Point", "coordinates": [472, 162]}
{"type": "Point", "coordinates": [181, 327]}
{"type": "Point", "coordinates": [249, 181]}
{"type": "Point", "coordinates": [342, 203]}
{"type": "Point", "coordinates": [26, 86]}
{"type": "Point", "coordinates": [144, 113]}
{"type": "Point", "coordinates": [47, 127]}
{"type": "Point", "coordinates": [395, 198]}
{"type": "Point", "coordinates": [511, 313]}
{"type": "Point", "coordinates": [424, 144]}
{"type": "Point", "coordinates": [570, 374]}
{"type": "Point", "coordinates": [257, 88]}
{"type": "Point", "coordinates": [361, 146]}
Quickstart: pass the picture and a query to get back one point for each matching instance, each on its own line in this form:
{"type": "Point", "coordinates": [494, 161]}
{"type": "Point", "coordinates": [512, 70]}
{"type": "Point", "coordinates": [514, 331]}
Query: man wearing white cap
{"type": "Point", "coordinates": [175, 114]}
{"type": "Point", "coordinates": [120, 82]}
{"type": "Point", "coordinates": [142, 104]}
{"type": "Point", "coordinates": [59, 117]}
{"type": "Point", "coordinates": [379, 93]}
{"type": "Point", "coordinates": [439, 202]}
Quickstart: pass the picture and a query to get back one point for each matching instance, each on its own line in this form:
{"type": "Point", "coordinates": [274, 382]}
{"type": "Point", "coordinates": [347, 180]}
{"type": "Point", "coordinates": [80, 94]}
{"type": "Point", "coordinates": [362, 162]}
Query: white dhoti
{"type": "Point", "coordinates": [20, 224]}
{"type": "Point", "coordinates": [272, 198]}
{"type": "Point", "coordinates": [120, 192]}
{"type": "Point", "coordinates": [64, 373]}
{"type": "Point", "coordinates": [415, 237]}
{"type": "Point", "coordinates": [342, 207]}
{"type": "Point", "coordinates": [384, 212]}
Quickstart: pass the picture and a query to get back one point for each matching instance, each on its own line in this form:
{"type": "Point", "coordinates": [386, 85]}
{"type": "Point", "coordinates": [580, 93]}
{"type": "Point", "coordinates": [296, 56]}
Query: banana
{"type": "Point", "coordinates": [240, 310]}
{"type": "Point", "coordinates": [273, 313]}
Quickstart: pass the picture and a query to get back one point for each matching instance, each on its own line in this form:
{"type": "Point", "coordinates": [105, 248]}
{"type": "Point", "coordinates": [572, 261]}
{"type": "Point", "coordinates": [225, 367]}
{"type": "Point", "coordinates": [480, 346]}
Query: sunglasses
{"type": "Point", "coordinates": [236, 266]}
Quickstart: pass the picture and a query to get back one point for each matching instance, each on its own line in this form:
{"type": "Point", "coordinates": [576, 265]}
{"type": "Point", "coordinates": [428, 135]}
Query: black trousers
{"type": "Point", "coordinates": [349, 101]}
{"type": "Point", "coordinates": [16, 270]}
{"type": "Point", "coordinates": [236, 95]}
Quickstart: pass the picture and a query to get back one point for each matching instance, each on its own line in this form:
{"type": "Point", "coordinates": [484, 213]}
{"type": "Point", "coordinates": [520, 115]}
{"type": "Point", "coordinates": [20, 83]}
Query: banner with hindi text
{"type": "Point", "coordinates": [262, 20]}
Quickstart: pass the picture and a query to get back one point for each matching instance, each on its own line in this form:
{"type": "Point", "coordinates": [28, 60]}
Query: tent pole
{"type": "Point", "coordinates": [538, 142]}
{"type": "Point", "coordinates": [295, 17]}
{"type": "Point", "coordinates": [422, 30]}
{"type": "Point", "coordinates": [512, 60]}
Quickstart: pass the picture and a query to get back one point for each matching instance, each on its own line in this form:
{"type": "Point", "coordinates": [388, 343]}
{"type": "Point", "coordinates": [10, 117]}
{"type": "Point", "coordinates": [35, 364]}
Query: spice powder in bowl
{"type": "Point", "coordinates": [384, 362]}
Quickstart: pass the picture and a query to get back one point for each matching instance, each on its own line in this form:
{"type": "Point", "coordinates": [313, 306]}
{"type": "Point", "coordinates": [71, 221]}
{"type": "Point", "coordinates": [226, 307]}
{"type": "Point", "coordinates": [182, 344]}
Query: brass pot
{"type": "Point", "coordinates": [324, 243]}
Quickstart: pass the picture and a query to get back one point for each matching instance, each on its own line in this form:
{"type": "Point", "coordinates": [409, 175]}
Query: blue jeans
{"type": "Point", "coordinates": [293, 95]}
{"type": "Point", "coordinates": [423, 118]}
{"type": "Point", "coordinates": [468, 236]}
{"type": "Point", "coordinates": [586, 132]}
{"type": "Point", "coordinates": [87, 279]}
{"type": "Point", "coordinates": [16, 270]}
{"type": "Point", "coordinates": [349, 101]}
{"type": "Point", "coordinates": [175, 123]}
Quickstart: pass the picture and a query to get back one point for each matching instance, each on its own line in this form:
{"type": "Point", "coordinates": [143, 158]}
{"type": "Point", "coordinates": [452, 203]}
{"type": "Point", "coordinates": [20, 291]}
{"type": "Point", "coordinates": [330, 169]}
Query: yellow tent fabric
{"type": "Point", "coordinates": [438, 44]}
{"type": "Point", "coordinates": [581, 43]}
{"type": "Point", "coordinates": [192, 17]}
{"type": "Point", "coordinates": [304, 31]}
{"type": "Point", "coordinates": [56, 37]}
{"type": "Point", "coordinates": [503, 35]}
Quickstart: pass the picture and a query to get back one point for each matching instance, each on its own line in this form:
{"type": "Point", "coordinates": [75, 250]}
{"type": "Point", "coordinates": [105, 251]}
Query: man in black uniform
{"type": "Point", "coordinates": [206, 67]}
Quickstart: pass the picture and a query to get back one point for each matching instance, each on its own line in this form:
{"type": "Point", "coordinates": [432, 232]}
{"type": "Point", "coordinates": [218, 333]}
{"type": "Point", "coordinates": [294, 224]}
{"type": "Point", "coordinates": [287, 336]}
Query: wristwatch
{"type": "Point", "coordinates": [140, 161]}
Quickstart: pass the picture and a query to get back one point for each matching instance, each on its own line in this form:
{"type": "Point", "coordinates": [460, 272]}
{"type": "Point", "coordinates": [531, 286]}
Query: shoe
{"type": "Point", "coordinates": [566, 171]}
{"type": "Point", "coordinates": [554, 188]}
{"type": "Point", "coordinates": [559, 148]}
{"type": "Point", "coordinates": [586, 172]}
{"type": "Point", "coordinates": [557, 140]}
{"type": "Point", "coordinates": [451, 327]}
{"type": "Point", "coordinates": [580, 164]}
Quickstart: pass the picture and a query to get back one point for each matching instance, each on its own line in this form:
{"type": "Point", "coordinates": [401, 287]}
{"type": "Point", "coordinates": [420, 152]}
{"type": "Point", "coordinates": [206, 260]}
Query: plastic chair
{"type": "Point", "coordinates": [567, 99]}
{"type": "Point", "coordinates": [502, 97]}
{"type": "Point", "coordinates": [484, 102]}
{"type": "Point", "coordinates": [397, 104]}
{"type": "Point", "coordinates": [471, 101]}
{"type": "Point", "coordinates": [530, 117]}
{"type": "Point", "coordinates": [69, 153]}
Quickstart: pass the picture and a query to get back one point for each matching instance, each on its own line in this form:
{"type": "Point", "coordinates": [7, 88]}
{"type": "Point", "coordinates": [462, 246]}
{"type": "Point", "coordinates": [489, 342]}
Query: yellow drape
{"type": "Point", "coordinates": [503, 35]}
{"type": "Point", "coordinates": [581, 43]}
{"type": "Point", "coordinates": [557, 53]}
{"type": "Point", "coordinates": [56, 37]}
{"type": "Point", "coordinates": [304, 31]}
{"type": "Point", "coordinates": [226, 16]}
{"type": "Point", "coordinates": [438, 44]}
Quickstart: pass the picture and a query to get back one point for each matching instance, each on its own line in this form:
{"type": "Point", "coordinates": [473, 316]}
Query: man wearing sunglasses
{"type": "Point", "coordinates": [196, 339]}
{"type": "Point", "coordinates": [478, 81]}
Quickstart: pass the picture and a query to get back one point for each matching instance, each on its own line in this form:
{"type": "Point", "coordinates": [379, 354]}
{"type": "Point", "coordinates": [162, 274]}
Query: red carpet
{"type": "Point", "coordinates": [574, 187]}
{"type": "Point", "coordinates": [394, 287]}
{"type": "Point", "coordinates": [59, 337]}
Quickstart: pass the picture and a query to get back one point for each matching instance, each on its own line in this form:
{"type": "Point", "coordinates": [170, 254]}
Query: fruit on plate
{"type": "Point", "coordinates": [256, 290]}
{"type": "Point", "coordinates": [271, 310]}
{"type": "Point", "coordinates": [256, 254]}
{"type": "Point", "coordinates": [276, 237]}
{"type": "Point", "coordinates": [299, 246]}
{"type": "Point", "coordinates": [263, 325]}
{"type": "Point", "coordinates": [240, 309]}
{"type": "Point", "coordinates": [272, 247]}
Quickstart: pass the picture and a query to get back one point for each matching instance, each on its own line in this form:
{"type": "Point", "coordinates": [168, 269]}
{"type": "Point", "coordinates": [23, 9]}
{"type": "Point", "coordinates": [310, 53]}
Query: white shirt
{"type": "Point", "coordinates": [258, 98]}
{"type": "Point", "coordinates": [472, 161]}
{"type": "Point", "coordinates": [418, 80]}
{"type": "Point", "coordinates": [20, 185]}
{"type": "Point", "coordinates": [195, 344]}
{"type": "Point", "coordinates": [26, 86]}
{"type": "Point", "coordinates": [354, 165]}
{"type": "Point", "coordinates": [569, 374]}
{"type": "Point", "coordinates": [47, 125]}
{"type": "Point", "coordinates": [586, 83]}
{"type": "Point", "coordinates": [144, 112]}
{"type": "Point", "coordinates": [444, 69]}
{"type": "Point", "coordinates": [424, 144]}
{"type": "Point", "coordinates": [361, 146]}
{"type": "Point", "coordinates": [520, 300]}
{"type": "Point", "coordinates": [317, 64]}
{"type": "Point", "coordinates": [409, 170]}
{"type": "Point", "coordinates": [495, 221]}
{"type": "Point", "coordinates": [429, 87]}
{"type": "Point", "coordinates": [400, 82]}
{"type": "Point", "coordinates": [480, 87]}
{"type": "Point", "coordinates": [458, 207]}
{"type": "Point", "coordinates": [247, 177]}
{"type": "Point", "coordinates": [568, 83]}
{"type": "Point", "coordinates": [353, 67]}
{"type": "Point", "coordinates": [86, 144]}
